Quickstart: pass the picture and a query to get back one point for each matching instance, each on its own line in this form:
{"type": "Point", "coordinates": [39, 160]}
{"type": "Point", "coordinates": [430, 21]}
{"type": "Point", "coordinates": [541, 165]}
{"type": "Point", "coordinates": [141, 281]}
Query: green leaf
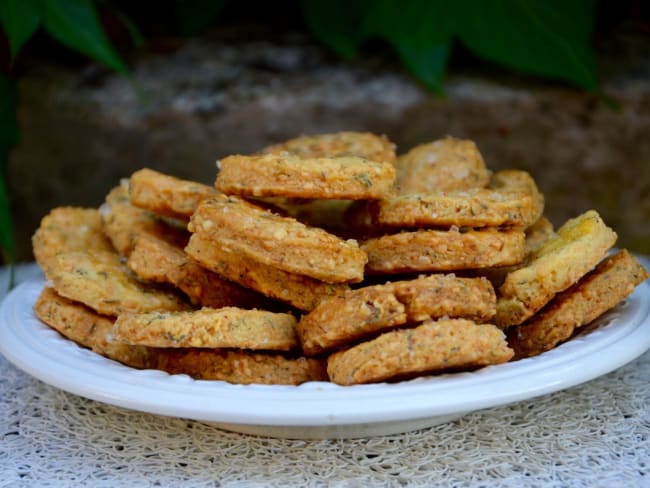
{"type": "Point", "coordinates": [6, 223]}
{"type": "Point", "coordinates": [419, 30]}
{"type": "Point", "coordinates": [75, 24]}
{"type": "Point", "coordinates": [20, 19]}
{"type": "Point", "coordinates": [8, 122]}
{"type": "Point", "coordinates": [427, 63]}
{"type": "Point", "coordinates": [134, 33]}
{"type": "Point", "coordinates": [337, 23]}
{"type": "Point", "coordinates": [8, 139]}
{"type": "Point", "coordinates": [193, 16]}
{"type": "Point", "coordinates": [551, 38]}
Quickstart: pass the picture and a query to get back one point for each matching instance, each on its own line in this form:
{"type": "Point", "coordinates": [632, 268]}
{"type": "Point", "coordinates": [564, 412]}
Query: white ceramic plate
{"type": "Point", "coordinates": [317, 409]}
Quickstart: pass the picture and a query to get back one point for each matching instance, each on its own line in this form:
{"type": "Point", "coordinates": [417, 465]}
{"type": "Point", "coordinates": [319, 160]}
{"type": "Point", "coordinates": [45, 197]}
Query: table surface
{"type": "Point", "coordinates": [594, 434]}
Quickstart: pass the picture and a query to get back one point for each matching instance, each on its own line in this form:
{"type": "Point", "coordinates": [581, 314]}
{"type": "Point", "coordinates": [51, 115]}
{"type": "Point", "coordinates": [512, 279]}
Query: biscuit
{"type": "Point", "coordinates": [285, 175]}
{"type": "Point", "coordinates": [437, 250]}
{"type": "Point", "coordinates": [296, 290]}
{"type": "Point", "coordinates": [280, 242]}
{"type": "Point", "coordinates": [366, 311]}
{"type": "Point", "coordinates": [597, 292]}
{"type": "Point", "coordinates": [154, 259]}
{"type": "Point", "coordinates": [440, 295]}
{"type": "Point", "coordinates": [347, 319]}
{"type": "Point", "coordinates": [69, 229]}
{"type": "Point", "coordinates": [227, 327]}
{"type": "Point", "coordinates": [87, 328]}
{"type": "Point", "coordinates": [433, 347]}
{"type": "Point", "coordinates": [537, 234]}
{"type": "Point", "coordinates": [340, 144]}
{"type": "Point", "coordinates": [519, 181]}
{"type": "Point", "coordinates": [478, 207]}
{"type": "Point", "coordinates": [167, 195]}
{"type": "Point", "coordinates": [241, 367]}
{"type": "Point", "coordinates": [105, 284]}
{"type": "Point", "coordinates": [559, 263]}
{"type": "Point", "coordinates": [123, 222]}
{"type": "Point", "coordinates": [326, 214]}
{"type": "Point", "coordinates": [447, 164]}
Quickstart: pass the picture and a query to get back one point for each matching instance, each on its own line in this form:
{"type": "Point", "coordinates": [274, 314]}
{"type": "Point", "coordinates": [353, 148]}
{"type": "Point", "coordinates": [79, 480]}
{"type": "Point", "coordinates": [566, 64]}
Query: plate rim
{"type": "Point", "coordinates": [625, 336]}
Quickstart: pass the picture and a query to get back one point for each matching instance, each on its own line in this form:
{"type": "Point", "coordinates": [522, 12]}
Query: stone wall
{"type": "Point", "coordinates": [83, 129]}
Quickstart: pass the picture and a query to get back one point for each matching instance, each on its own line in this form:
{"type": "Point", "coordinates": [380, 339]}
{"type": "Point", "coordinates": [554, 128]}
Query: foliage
{"type": "Point", "coordinates": [8, 139]}
{"type": "Point", "coordinates": [548, 38]}
{"type": "Point", "coordinates": [73, 23]}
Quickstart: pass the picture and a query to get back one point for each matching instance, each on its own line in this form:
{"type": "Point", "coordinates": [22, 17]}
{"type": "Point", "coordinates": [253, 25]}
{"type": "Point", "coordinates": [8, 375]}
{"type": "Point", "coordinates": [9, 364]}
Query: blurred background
{"type": "Point", "coordinates": [91, 91]}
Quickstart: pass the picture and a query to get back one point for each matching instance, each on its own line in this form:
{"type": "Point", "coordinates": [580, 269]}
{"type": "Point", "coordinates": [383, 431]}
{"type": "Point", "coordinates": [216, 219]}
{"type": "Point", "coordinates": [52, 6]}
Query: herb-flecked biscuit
{"type": "Point", "coordinates": [106, 285]}
{"type": "Point", "coordinates": [447, 164]}
{"type": "Point", "coordinates": [123, 222]}
{"type": "Point", "coordinates": [597, 292]}
{"type": "Point", "coordinates": [366, 311]}
{"type": "Point", "coordinates": [438, 250]}
{"type": "Point", "coordinates": [69, 229]}
{"type": "Point", "coordinates": [516, 180]}
{"type": "Point", "coordinates": [241, 367]}
{"type": "Point", "coordinates": [269, 175]}
{"type": "Point", "coordinates": [326, 214]}
{"type": "Point", "coordinates": [339, 144]}
{"type": "Point", "coordinates": [227, 327]}
{"type": "Point", "coordinates": [167, 195]}
{"type": "Point", "coordinates": [297, 290]}
{"type": "Point", "coordinates": [559, 263]}
{"type": "Point", "coordinates": [281, 242]}
{"type": "Point", "coordinates": [538, 233]}
{"type": "Point", "coordinates": [154, 259]}
{"type": "Point", "coordinates": [339, 321]}
{"type": "Point", "coordinates": [87, 328]}
{"type": "Point", "coordinates": [478, 207]}
{"type": "Point", "coordinates": [446, 344]}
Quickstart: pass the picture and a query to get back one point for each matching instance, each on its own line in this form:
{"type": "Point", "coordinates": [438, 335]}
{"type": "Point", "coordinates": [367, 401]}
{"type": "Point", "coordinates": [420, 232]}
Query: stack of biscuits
{"type": "Point", "coordinates": [327, 258]}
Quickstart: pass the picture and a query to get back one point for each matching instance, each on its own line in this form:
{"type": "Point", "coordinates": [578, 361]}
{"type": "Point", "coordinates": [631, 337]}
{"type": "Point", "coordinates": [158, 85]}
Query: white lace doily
{"type": "Point", "coordinates": [596, 434]}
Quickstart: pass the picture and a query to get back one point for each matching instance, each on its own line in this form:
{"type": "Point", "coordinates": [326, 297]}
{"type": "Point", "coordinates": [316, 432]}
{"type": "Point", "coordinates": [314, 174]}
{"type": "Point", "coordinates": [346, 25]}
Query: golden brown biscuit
{"type": "Point", "coordinates": [340, 144]}
{"type": "Point", "coordinates": [69, 229]}
{"type": "Point", "coordinates": [432, 347]}
{"type": "Point", "coordinates": [227, 327]}
{"type": "Point", "coordinates": [284, 175]}
{"type": "Point", "coordinates": [469, 208]}
{"type": "Point", "coordinates": [281, 242]}
{"type": "Point", "coordinates": [516, 181]}
{"type": "Point", "coordinates": [440, 295]}
{"type": "Point", "coordinates": [297, 290]}
{"type": "Point", "coordinates": [366, 311]}
{"type": "Point", "coordinates": [537, 234]}
{"type": "Point", "coordinates": [123, 222]}
{"type": "Point", "coordinates": [347, 319]}
{"type": "Point", "coordinates": [154, 259]}
{"type": "Point", "coordinates": [447, 164]}
{"type": "Point", "coordinates": [167, 195]}
{"type": "Point", "coordinates": [88, 329]}
{"type": "Point", "coordinates": [241, 367]}
{"type": "Point", "coordinates": [437, 250]}
{"type": "Point", "coordinates": [326, 214]}
{"type": "Point", "coordinates": [559, 263]}
{"type": "Point", "coordinates": [597, 292]}
{"type": "Point", "coordinates": [102, 282]}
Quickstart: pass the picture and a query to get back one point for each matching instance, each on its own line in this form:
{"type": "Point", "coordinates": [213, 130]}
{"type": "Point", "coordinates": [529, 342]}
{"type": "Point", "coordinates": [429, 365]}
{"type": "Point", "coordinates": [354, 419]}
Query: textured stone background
{"type": "Point", "coordinates": [84, 129]}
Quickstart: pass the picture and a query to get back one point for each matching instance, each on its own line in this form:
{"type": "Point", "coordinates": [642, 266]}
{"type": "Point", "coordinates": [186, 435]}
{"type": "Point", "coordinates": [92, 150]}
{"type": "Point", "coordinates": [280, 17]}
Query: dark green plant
{"type": "Point", "coordinates": [74, 23]}
{"type": "Point", "coordinates": [547, 38]}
